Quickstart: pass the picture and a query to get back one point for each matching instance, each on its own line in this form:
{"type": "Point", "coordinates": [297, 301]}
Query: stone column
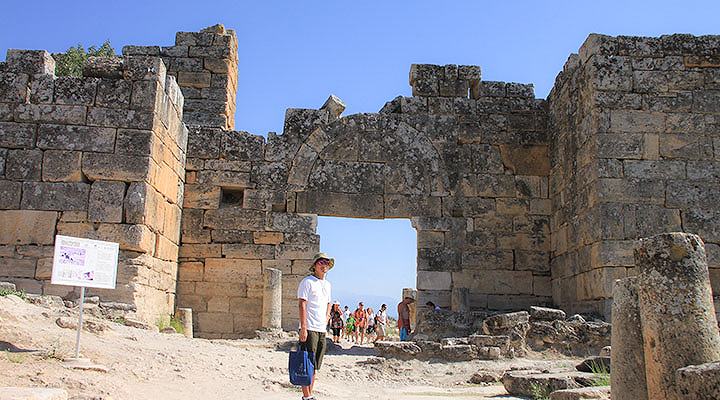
{"type": "Point", "coordinates": [676, 309]}
{"type": "Point", "coordinates": [627, 377]}
{"type": "Point", "coordinates": [460, 300]}
{"type": "Point", "coordinates": [185, 317]}
{"type": "Point", "coordinates": [272, 299]}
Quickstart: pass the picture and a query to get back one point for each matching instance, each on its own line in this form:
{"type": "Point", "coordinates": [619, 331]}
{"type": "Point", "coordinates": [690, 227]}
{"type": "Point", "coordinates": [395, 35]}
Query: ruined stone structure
{"type": "Point", "coordinates": [516, 201]}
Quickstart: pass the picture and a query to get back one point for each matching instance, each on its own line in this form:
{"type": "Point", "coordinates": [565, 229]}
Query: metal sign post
{"type": "Point", "coordinates": [80, 322]}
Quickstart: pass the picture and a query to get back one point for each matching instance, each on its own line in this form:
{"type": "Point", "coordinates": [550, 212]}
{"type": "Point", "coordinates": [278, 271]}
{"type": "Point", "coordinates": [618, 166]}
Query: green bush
{"type": "Point", "coordinates": [19, 293]}
{"type": "Point", "coordinates": [602, 374]}
{"type": "Point", "coordinates": [71, 62]}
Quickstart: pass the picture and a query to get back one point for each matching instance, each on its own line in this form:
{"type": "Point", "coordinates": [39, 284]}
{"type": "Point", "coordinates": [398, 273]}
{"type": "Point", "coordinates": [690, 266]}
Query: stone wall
{"type": "Point", "coordinates": [101, 156]}
{"type": "Point", "coordinates": [466, 160]}
{"type": "Point", "coordinates": [635, 124]}
{"type": "Point", "coordinates": [205, 66]}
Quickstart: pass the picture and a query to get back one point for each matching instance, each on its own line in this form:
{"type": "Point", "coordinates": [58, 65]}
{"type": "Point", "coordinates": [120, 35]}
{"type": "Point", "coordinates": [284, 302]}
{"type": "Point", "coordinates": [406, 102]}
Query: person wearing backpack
{"type": "Point", "coordinates": [314, 294]}
{"type": "Point", "coordinates": [381, 323]}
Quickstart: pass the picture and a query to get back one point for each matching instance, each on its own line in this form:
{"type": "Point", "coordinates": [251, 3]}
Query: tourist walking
{"type": "Point", "coordinates": [360, 323]}
{"type": "Point", "coordinates": [350, 328]}
{"type": "Point", "coordinates": [381, 323]}
{"type": "Point", "coordinates": [404, 318]}
{"type": "Point", "coordinates": [346, 316]}
{"type": "Point", "coordinates": [314, 294]}
{"type": "Point", "coordinates": [336, 322]}
{"type": "Point", "coordinates": [370, 324]}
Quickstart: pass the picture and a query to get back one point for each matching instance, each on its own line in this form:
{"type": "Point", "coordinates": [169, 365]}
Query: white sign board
{"type": "Point", "coordinates": [84, 262]}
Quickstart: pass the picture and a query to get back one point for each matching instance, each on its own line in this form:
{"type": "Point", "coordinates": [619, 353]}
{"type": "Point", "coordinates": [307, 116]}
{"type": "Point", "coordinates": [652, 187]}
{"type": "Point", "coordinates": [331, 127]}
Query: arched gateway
{"type": "Point", "coordinates": [141, 151]}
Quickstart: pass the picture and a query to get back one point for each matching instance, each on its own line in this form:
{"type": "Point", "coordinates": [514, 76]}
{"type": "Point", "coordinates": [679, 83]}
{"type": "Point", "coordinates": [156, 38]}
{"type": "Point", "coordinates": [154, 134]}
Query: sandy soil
{"type": "Point", "coordinates": [149, 365]}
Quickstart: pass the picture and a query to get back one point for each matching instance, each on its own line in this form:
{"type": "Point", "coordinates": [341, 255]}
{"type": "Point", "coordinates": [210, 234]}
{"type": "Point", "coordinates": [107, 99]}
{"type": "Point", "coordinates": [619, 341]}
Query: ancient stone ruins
{"type": "Point", "coordinates": [517, 201]}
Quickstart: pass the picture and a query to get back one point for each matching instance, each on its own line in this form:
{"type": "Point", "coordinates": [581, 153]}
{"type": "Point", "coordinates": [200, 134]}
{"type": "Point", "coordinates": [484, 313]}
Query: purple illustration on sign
{"type": "Point", "coordinates": [72, 256]}
{"type": "Point", "coordinates": [88, 276]}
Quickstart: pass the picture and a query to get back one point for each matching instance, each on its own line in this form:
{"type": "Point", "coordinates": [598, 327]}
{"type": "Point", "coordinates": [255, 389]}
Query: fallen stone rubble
{"type": "Point", "coordinates": [502, 335]}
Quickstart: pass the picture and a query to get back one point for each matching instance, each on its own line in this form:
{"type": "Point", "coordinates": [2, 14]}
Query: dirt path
{"type": "Point", "coordinates": [150, 365]}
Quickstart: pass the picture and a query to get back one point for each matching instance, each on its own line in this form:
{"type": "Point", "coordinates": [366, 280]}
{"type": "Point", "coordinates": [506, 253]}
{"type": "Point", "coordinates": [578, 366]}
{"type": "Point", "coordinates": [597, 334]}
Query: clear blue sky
{"type": "Point", "coordinates": [296, 53]}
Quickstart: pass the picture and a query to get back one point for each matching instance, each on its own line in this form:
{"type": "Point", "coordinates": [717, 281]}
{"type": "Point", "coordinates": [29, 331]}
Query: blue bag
{"type": "Point", "coordinates": [301, 367]}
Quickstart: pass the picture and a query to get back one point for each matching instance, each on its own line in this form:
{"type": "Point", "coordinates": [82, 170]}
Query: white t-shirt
{"type": "Point", "coordinates": [317, 292]}
{"type": "Point", "coordinates": [382, 317]}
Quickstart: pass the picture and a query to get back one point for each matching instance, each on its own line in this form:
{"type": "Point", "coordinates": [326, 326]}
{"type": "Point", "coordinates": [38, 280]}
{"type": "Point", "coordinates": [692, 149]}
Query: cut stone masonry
{"type": "Point", "coordinates": [517, 201]}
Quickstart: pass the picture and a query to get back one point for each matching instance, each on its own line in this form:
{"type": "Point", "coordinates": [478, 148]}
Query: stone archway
{"type": "Point", "coordinates": [471, 173]}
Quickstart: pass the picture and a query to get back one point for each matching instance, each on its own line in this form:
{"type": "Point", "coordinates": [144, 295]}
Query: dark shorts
{"type": "Point", "coordinates": [316, 344]}
{"type": "Point", "coordinates": [336, 331]}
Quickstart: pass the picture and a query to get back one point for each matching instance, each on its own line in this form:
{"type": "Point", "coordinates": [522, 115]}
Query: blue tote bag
{"type": "Point", "coordinates": [301, 367]}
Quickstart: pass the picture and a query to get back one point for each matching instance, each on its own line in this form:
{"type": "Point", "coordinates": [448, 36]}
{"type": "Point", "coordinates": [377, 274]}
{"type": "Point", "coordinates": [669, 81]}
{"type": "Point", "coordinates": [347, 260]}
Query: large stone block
{"type": "Point", "coordinates": [50, 113]}
{"type": "Point", "coordinates": [72, 137]}
{"type": "Point", "coordinates": [685, 194]}
{"type": "Point", "coordinates": [649, 191]}
{"type": "Point", "coordinates": [23, 165]}
{"type": "Point", "coordinates": [10, 193]}
{"type": "Point", "coordinates": [405, 206]}
{"type": "Point", "coordinates": [434, 280]}
{"type": "Point", "coordinates": [17, 268]}
{"type": "Point", "coordinates": [235, 218]}
{"type": "Point", "coordinates": [288, 222]}
{"type": "Point", "coordinates": [98, 166]}
{"type": "Point", "coordinates": [200, 250]}
{"type": "Point", "coordinates": [113, 93]}
{"type": "Point", "coordinates": [231, 270]}
{"type": "Point", "coordinates": [13, 87]}
{"type": "Point", "coordinates": [495, 281]}
{"type": "Point", "coordinates": [16, 135]}
{"type": "Point", "coordinates": [55, 196]}
{"type": "Point", "coordinates": [203, 196]}
{"type": "Point", "coordinates": [526, 160]}
{"type": "Point", "coordinates": [248, 251]}
{"type": "Point", "coordinates": [686, 146]}
{"type": "Point", "coordinates": [75, 90]}
{"type": "Point", "coordinates": [214, 322]}
{"type": "Point", "coordinates": [27, 227]}
{"type": "Point", "coordinates": [341, 204]}
{"type": "Point", "coordinates": [106, 201]}
{"type": "Point", "coordinates": [62, 166]}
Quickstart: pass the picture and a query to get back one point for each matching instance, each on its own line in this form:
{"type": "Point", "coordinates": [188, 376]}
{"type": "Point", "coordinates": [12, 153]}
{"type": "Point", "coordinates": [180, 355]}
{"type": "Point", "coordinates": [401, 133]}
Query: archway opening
{"type": "Point", "coordinates": [375, 260]}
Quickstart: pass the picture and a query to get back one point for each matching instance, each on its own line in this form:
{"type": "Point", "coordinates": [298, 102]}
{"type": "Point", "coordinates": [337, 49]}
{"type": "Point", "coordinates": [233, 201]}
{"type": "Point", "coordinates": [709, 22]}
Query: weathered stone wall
{"type": "Point", "coordinates": [635, 124]}
{"type": "Point", "coordinates": [466, 160]}
{"type": "Point", "coordinates": [101, 156]}
{"type": "Point", "coordinates": [205, 66]}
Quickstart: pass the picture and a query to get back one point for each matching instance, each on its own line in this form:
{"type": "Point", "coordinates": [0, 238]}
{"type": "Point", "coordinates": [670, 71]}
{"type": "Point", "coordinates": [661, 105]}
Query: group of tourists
{"type": "Point", "coordinates": [358, 325]}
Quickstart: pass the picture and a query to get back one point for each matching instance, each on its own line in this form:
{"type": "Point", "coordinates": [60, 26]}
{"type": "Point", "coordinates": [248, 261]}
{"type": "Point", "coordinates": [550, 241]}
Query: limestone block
{"type": "Point", "coordinates": [628, 146]}
{"type": "Point", "coordinates": [434, 280]}
{"type": "Point", "coordinates": [214, 322]}
{"type": "Point", "coordinates": [55, 196]}
{"type": "Point", "coordinates": [666, 81]}
{"type": "Point", "coordinates": [204, 143]}
{"type": "Point", "coordinates": [41, 89]}
{"type": "Point", "coordinates": [287, 222]}
{"type": "Point", "coordinates": [113, 93]}
{"type": "Point", "coordinates": [230, 179]}
{"type": "Point", "coordinates": [16, 135]}
{"type": "Point", "coordinates": [650, 191]}
{"type": "Point", "coordinates": [144, 205]}
{"type": "Point", "coordinates": [526, 160]}
{"type": "Point", "coordinates": [230, 270]}
{"type": "Point", "coordinates": [703, 170]}
{"type": "Point", "coordinates": [106, 201]}
{"type": "Point", "coordinates": [515, 302]}
{"type": "Point", "coordinates": [218, 304]}
{"type": "Point", "coordinates": [673, 280]}
{"type": "Point", "coordinates": [138, 142]}
{"type": "Point", "coordinates": [43, 270]}
{"type": "Point", "coordinates": [532, 261]}
{"type": "Point", "coordinates": [296, 251]}
{"type": "Point", "coordinates": [241, 146]}
{"type": "Point", "coordinates": [97, 166]}
{"type": "Point", "coordinates": [190, 271]}
{"type": "Point", "coordinates": [430, 239]}
{"type": "Point", "coordinates": [120, 118]}
{"type": "Point", "coordinates": [495, 281]}
{"type": "Point", "coordinates": [699, 381]}
{"type": "Point", "coordinates": [17, 268]}
{"type": "Point", "coordinates": [284, 266]}
{"type": "Point", "coordinates": [404, 206]}
{"type": "Point", "coordinates": [438, 259]}
{"type": "Point", "coordinates": [235, 218]}
{"type": "Point", "coordinates": [300, 238]}
{"type": "Point", "coordinates": [74, 90]}
{"type": "Point", "coordinates": [542, 286]}
{"type": "Point", "coordinates": [13, 87]}
{"type": "Point", "coordinates": [172, 220]}
{"type": "Point", "coordinates": [487, 260]}
{"type": "Point", "coordinates": [17, 393]}
{"type": "Point", "coordinates": [200, 250]}
{"type": "Point", "coordinates": [512, 206]}
{"type": "Point", "coordinates": [248, 251]}
{"type": "Point", "coordinates": [50, 113]}
{"type": "Point", "coordinates": [271, 238]}
{"type": "Point", "coordinates": [31, 62]}
{"type": "Point", "coordinates": [340, 204]}
{"type": "Point", "coordinates": [61, 166]}
{"type": "Point", "coordinates": [69, 137]}
{"type": "Point", "coordinates": [23, 165]}
{"type": "Point", "coordinates": [686, 146]}
{"type": "Point", "coordinates": [232, 236]}
{"type": "Point", "coordinates": [703, 222]}
{"type": "Point", "coordinates": [165, 249]}
{"type": "Point", "coordinates": [10, 193]}
{"type": "Point", "coordinates": [645, 220]}
{"type": "Point", "coordinates": [687, 194]}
